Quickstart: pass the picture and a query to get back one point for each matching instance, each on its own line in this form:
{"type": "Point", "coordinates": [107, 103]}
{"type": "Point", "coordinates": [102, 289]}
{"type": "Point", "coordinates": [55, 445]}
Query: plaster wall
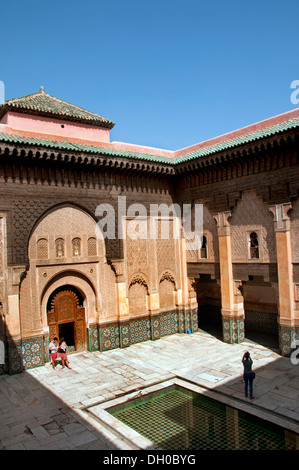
{"type": "Point", "coordinates": [55, 127]}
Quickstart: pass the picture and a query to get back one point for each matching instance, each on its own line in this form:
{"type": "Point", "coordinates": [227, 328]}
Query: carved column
{"type": "Point", "coordinates": [122, 304]}
{"type": "Point", "coordinates": [184, 276]}
{"type": "Point", "coordinates": [123, 307]}
{"type": "Point", "coordinates": [13, 320]}
{"type": "Point", "coordinates": [193, 305]}
{"type": "Point", "coordinates": [153, 303]}
{"type": "Point", "coordinates": [3, 297]}
{"type": "Point", "coordinates": [186, 296]}
{"type": "Point", "coordinates": [287, 321]}
{"type": "Point", "coordinates": [232, 306]}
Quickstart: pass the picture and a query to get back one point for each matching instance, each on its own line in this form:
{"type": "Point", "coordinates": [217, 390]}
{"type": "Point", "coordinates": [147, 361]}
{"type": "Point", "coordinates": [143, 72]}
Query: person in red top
{"type": "Point", "coordinates": [63, 353]}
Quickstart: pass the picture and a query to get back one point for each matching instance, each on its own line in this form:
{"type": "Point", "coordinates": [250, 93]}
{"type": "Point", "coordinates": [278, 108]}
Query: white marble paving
{"type": "Point", "coordinates": [44, 399]}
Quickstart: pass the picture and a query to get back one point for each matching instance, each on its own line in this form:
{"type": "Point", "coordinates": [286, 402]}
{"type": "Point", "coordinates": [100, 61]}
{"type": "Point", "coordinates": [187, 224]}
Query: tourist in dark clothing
{"type": "Point", "coordinates": [248, 375]}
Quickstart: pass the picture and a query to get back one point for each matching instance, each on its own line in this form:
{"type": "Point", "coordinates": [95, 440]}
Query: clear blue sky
{"type": "Point", "coordinates": [169, 73]}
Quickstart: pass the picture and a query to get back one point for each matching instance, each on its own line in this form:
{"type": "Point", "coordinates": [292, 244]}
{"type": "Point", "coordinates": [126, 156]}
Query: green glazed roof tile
{"type": "Point", "coordinates": [196, 154]}
{"type": "Point", "coordinates": [70, 146]}
{"type": "Point", "coordinates": [46, 105]}
{"type": "Point", "coordinates": [246, 138]}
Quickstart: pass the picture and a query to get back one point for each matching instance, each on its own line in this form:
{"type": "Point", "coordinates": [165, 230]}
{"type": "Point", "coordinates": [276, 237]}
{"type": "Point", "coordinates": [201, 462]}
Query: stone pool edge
{"type": "Point", "coordinates": [98, 412]}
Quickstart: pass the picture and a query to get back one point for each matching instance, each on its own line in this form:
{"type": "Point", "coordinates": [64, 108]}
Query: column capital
{"type": "Point", "coordinates": [118, 268]}
{"type": "Point", "coordinates": [280, 216]}
{"type": "Point", "coordinates": [222, 222]}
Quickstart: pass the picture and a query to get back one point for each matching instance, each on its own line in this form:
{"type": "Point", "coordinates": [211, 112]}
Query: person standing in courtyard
{"type": "Point", "coordinates": [248, 374]}
{"type": "Point", "coordinates": [53, 348]}
{"type": "Point", "coordinates": [63, 353]}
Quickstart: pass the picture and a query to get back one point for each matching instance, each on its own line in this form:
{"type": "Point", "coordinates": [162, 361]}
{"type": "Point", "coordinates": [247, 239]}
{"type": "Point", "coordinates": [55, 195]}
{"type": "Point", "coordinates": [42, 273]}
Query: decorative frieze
{"type": "Point", "coordinates": [15, 362]}
{"type": "Point", "coordinates": [233, 329]}
{"type": "Point", "coordinates": [33, 352]}
{"type": "Point", "coordinates": [259, 321]}
{"type": "Point", "coordinates": [109, 337]}
{"type": "Point", "coordinates": [137, 330]}
{"type": "Point", "coordinates": [93, 338]}
{"type": "Point", "coordinates": [287, 337]}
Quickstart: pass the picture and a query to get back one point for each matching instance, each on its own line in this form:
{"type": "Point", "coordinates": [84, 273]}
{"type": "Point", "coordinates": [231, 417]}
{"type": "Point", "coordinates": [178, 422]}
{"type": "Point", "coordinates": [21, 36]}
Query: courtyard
{"type": "Point", "coordinates": [46, 409]}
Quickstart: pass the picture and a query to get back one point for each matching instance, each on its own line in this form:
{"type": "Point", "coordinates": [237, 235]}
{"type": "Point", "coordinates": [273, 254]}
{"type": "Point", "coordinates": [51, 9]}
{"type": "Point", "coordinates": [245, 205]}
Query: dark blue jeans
{"type": "Point", "coordinates": [248, 381]}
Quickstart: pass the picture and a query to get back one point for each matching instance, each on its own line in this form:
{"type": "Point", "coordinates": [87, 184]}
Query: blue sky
{"type": "Point", "coordinates": [169, 73]}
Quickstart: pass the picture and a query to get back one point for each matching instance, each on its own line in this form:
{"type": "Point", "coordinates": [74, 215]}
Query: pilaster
{"type": "Point", "coordinates": [232, 306]}
{"type": "Point", "coordinates": [287, 322]}
{"type": "Point", "coordinates": [121, 288]}
{"type": "Point", "coordinates": [122, 304]}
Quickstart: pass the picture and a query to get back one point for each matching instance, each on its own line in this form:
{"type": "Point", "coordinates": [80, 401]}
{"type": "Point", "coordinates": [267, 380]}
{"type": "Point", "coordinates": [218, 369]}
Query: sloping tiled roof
{"type": "Point", "coordinates": [71, 146]}
{"type": "Point", "coordinates": [241, 140]}
{"type": "Point", "coordinates": [46, 105]}
{"type": "Point", "coordinates": [199, 153]}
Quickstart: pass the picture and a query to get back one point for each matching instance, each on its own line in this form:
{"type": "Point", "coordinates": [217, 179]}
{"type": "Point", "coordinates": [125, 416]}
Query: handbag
{"type": "Point", "coordinates": [61, 349]}
{"type": "Point", "coordinates": [252, 375]}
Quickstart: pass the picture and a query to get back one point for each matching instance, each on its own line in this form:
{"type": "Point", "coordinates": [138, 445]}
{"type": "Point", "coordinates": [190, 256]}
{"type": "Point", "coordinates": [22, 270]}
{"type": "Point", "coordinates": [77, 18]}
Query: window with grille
{"type": "Point", "coordinates": [254, 245]}
{"type": "Point", "coordinates": [92, 246]}
{"type": "Point", "coordinates": [203, 249]}
{"type": "Point", "coordinates": [59, 248]}
{"type": "Point", "coordinates": [76, 247]}
{"type": "Point", "coordinates": [42, 249]}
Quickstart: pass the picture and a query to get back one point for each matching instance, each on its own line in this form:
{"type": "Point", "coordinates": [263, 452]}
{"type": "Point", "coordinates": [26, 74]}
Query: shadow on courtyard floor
{"type": "Point", "coordinates": [267, 340]}
{"type": "Point", "coordinates": [33, 417]}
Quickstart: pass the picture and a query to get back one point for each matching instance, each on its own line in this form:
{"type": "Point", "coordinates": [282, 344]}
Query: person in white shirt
{"type": "Point", "coordinates": [53, 348]}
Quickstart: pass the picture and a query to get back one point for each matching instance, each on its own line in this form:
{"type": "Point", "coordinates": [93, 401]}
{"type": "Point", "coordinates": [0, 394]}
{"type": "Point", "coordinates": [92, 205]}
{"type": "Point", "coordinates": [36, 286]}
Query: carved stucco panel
{"type": "Point", "coordinates": [210, 232]}
{"type": "Point", "coordinates": [137, 299]}
{"type": "Point", "coordinates": [66, 223]}
{"type": "Point", "coordinates": [27, 306]}
{"type": "Point", "coordinates": [294, 216]}
{"type": "Point", "coordinates": [252, 215]}
{"type": "Point", "coordinates": [3, 300]}
{"type": "Point", "coordinates": [168, 254]}
{"type": "Point", "coordinates": [152, 256]}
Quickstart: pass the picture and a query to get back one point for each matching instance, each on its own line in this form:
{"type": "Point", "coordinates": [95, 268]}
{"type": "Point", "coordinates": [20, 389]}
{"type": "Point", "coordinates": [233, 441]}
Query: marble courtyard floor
{"type": "Point", "coordinates": [44, 408]}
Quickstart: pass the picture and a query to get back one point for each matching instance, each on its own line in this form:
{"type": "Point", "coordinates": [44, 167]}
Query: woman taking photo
{"type": "Point", "coordinates": [248, 375]}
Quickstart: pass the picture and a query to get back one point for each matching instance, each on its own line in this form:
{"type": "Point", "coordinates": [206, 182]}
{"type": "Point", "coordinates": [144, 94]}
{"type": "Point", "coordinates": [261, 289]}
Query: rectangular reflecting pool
{"type": "Point", "coordinates": [175, 418]}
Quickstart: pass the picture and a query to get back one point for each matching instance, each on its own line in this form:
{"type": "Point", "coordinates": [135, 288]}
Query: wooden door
{"type": "Point", "coordinates": [65, 309]}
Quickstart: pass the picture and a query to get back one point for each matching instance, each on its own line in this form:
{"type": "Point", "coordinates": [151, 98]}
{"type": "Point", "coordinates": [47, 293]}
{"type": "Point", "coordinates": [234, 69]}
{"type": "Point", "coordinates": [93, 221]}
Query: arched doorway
{"type": "Point", "coordinates": [261, 311]}
{"type": "Point", "coordinates": [209, 305]}
{"type": "Point", "coordinates": [66, 317]}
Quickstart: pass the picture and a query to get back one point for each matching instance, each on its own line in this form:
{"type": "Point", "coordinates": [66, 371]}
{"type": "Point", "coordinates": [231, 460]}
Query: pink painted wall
{"type": "Point", "coordinates": [52, 127]}
{"type": "Point", "coordinates": [143, 149]}
{"type": "Point", "coordinates": [216, 140]}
